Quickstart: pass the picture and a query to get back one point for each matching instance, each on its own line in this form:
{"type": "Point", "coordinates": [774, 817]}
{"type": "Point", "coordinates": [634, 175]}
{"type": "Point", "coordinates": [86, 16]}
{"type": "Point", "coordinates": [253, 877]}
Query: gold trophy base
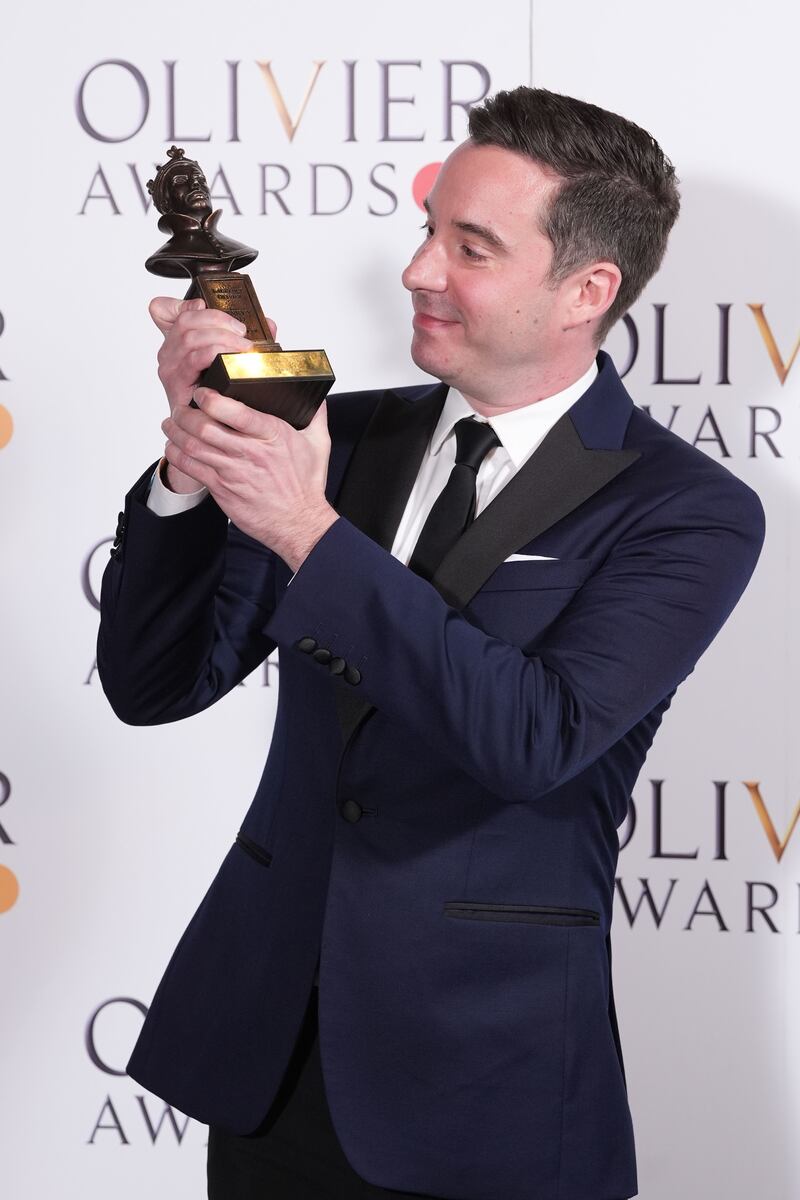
{"type": "Point", "coordinates": [290, 384]}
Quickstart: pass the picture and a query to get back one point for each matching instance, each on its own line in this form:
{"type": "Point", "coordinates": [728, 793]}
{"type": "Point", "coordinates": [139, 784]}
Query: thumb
{"type": "Point", "coordinates": [317, 429]}
{"type": "Point", "coordinates": [165, 310]}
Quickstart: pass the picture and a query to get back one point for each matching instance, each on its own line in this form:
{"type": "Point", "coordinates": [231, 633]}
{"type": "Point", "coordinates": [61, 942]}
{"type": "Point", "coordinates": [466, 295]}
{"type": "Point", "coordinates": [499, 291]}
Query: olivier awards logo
{"type": "Point", "coordinates": [6, 423]}
{"type": "Point", "coordinates": [384, 102]}
{"type": "Point", "coordinates": [124, 1119]}
{"type": "Point", "coordinates": [708, 428]}
{"type": "Point", "coordinates": [702, 897]}
{"type": "Point", "coordinates": [9, 885]}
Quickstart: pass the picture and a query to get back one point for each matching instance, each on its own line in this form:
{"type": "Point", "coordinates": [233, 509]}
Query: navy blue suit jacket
{"type": "Point", "coordinates": [438, 812]}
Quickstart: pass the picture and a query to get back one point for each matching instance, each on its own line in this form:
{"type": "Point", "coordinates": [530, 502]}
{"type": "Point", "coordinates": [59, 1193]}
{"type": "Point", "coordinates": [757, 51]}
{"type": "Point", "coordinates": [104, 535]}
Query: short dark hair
{"type": "Point", "coordinates": [619, 196]}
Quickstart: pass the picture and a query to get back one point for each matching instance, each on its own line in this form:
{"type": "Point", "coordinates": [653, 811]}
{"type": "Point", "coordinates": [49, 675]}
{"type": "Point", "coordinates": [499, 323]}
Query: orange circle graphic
{"type": "Point", "coordinates": [424, 181]}
{"type": "Point", "coordinates": [9, 889]}
{"type": "Point", "coordinates": [6, 427]}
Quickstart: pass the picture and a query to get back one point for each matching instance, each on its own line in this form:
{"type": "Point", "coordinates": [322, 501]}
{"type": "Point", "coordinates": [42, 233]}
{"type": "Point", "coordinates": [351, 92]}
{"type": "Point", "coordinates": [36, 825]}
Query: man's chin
{"type": "Point", "coordinates": [427, 359]}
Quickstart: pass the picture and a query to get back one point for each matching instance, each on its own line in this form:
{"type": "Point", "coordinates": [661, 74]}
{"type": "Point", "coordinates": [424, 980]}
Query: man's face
{"type": "Point", "coordinates": [483, 314]}
{"type": "Point", "coordinates": [188, 192]}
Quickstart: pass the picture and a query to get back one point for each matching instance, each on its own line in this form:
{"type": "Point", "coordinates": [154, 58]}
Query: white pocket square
{"type": "Point", "coordinates": [530, 558]}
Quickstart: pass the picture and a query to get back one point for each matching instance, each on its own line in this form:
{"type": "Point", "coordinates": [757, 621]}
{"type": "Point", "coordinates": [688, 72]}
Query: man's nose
{"type": "Point", "coordinates": [427, 271]}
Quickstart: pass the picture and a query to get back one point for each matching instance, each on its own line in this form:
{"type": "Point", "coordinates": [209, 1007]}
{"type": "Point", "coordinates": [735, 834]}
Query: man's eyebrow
{"type": "Point", "coordinates": [481, 231]}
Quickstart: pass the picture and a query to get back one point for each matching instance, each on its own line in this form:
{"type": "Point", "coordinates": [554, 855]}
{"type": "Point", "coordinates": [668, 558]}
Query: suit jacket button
{"type": "Point", "coordinates": [353, 675]}
{"type": "Point", "coordinates": [337, 666]}
{"type": "Point", "coordinates": [351, 811]}
{"type": "Point", "coordinates": [322, 655]}
{"type": "Point", "coordinates": [307, 645]}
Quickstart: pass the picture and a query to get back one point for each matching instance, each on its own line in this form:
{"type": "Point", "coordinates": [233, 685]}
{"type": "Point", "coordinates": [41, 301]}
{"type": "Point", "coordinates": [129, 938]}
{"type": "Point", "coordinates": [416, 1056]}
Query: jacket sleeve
{"type": "Point", "coordinates": [183, 607]}
{"type": "Point", "coordinates": [523, 719]}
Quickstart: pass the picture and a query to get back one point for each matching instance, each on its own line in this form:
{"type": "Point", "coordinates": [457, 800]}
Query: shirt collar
{"type": "Point", "coordinates": [521, 430]}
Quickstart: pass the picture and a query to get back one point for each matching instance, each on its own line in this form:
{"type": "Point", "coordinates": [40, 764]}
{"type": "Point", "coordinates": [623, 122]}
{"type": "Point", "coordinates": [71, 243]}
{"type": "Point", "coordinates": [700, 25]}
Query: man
{"type": "Point", "coordinates": [455, 743]}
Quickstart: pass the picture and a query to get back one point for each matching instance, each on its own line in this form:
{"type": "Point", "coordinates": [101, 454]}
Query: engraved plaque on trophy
{"type": "Point", "coordinates": [290, 384]}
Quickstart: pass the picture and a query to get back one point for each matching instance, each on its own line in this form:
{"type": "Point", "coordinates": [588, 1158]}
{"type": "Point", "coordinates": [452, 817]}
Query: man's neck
{"type": "Point", "coordinates": [548, 381]}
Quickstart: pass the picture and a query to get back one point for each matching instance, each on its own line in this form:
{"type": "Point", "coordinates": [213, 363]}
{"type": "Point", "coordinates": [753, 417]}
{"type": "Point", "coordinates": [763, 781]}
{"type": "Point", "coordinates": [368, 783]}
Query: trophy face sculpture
{"type": "Point", "coordinates": [290, 384]}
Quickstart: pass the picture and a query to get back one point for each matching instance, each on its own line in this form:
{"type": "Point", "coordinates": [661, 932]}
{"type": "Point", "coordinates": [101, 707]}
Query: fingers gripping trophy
{"type": "Point", "coordinates": [290, 384]}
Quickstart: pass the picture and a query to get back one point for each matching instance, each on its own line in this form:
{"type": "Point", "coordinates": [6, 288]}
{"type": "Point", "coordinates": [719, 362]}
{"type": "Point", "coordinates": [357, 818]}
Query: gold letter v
{"type": "Point", "coordinates": [290, 126]}
{"type": "Point", "coordinates": [782, 368]}
{"type": "Point", "coordinates": [777, 845]}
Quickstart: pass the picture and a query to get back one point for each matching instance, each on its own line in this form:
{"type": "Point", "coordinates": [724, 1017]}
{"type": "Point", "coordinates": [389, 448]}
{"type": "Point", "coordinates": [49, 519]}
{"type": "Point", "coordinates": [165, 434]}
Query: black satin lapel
{"type": "Point", "coordinates": [560, 475]}
{"type": "Point", "coordinates": [378, 481]}
{"type": "Point", "coordinates": [385, 463]}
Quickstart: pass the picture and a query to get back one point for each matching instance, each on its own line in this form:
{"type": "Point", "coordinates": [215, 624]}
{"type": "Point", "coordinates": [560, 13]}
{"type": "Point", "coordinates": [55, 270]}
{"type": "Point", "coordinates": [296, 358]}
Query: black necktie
{"type": "Point", "coordinates": [454, 507]}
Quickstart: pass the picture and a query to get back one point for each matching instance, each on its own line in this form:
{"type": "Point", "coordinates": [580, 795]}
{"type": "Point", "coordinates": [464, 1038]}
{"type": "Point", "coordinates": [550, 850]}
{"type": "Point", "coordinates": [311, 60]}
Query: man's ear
{"type": "Point", "coordinates": [590, 293]}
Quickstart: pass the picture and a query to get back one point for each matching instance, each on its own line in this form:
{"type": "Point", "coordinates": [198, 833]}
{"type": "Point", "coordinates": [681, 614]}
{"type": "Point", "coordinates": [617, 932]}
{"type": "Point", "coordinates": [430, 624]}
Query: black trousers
{"type": "Point", "coordinates": [295, 1154]}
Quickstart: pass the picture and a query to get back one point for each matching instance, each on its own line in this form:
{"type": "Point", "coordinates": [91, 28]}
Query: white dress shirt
{"type": "Point", "coordinates": [520, 432]}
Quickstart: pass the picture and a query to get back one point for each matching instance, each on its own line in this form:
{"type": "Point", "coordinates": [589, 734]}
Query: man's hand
{"type": "Point", "coordinates": [193, 337]}
{"type": "Point", "coordinates": [268, 477]}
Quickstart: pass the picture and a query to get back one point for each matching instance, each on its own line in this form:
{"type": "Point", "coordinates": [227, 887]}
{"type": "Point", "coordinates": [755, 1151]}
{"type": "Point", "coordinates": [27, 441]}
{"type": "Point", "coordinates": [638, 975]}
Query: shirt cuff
{"type": "Point", "coordinates": [165, 503]}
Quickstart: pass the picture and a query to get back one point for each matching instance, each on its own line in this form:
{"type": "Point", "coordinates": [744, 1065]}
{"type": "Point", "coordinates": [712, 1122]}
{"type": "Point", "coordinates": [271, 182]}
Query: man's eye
{"type": "Point", "coordinates": [179, 179]}
{"type": "Point", "coordinates": [428, 228]}
{"type": "Point", "coordinates": [473, 254]}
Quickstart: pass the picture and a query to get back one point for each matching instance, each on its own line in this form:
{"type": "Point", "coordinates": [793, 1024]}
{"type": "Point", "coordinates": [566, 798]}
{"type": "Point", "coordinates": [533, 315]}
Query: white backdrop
{"type": "Point", "coordinates": [109, 835]}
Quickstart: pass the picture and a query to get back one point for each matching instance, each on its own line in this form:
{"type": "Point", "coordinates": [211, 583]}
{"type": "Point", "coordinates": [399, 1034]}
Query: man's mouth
{"type": "Point", "coordinates": [425, 319]}
{"type": "Point", "coordinates": [431, 324]}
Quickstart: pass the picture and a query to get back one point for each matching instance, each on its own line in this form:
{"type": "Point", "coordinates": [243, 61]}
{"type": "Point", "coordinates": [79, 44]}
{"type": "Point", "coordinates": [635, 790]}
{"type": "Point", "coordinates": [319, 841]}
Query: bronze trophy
{"type": "Point", "coordinates": [290, 384]}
